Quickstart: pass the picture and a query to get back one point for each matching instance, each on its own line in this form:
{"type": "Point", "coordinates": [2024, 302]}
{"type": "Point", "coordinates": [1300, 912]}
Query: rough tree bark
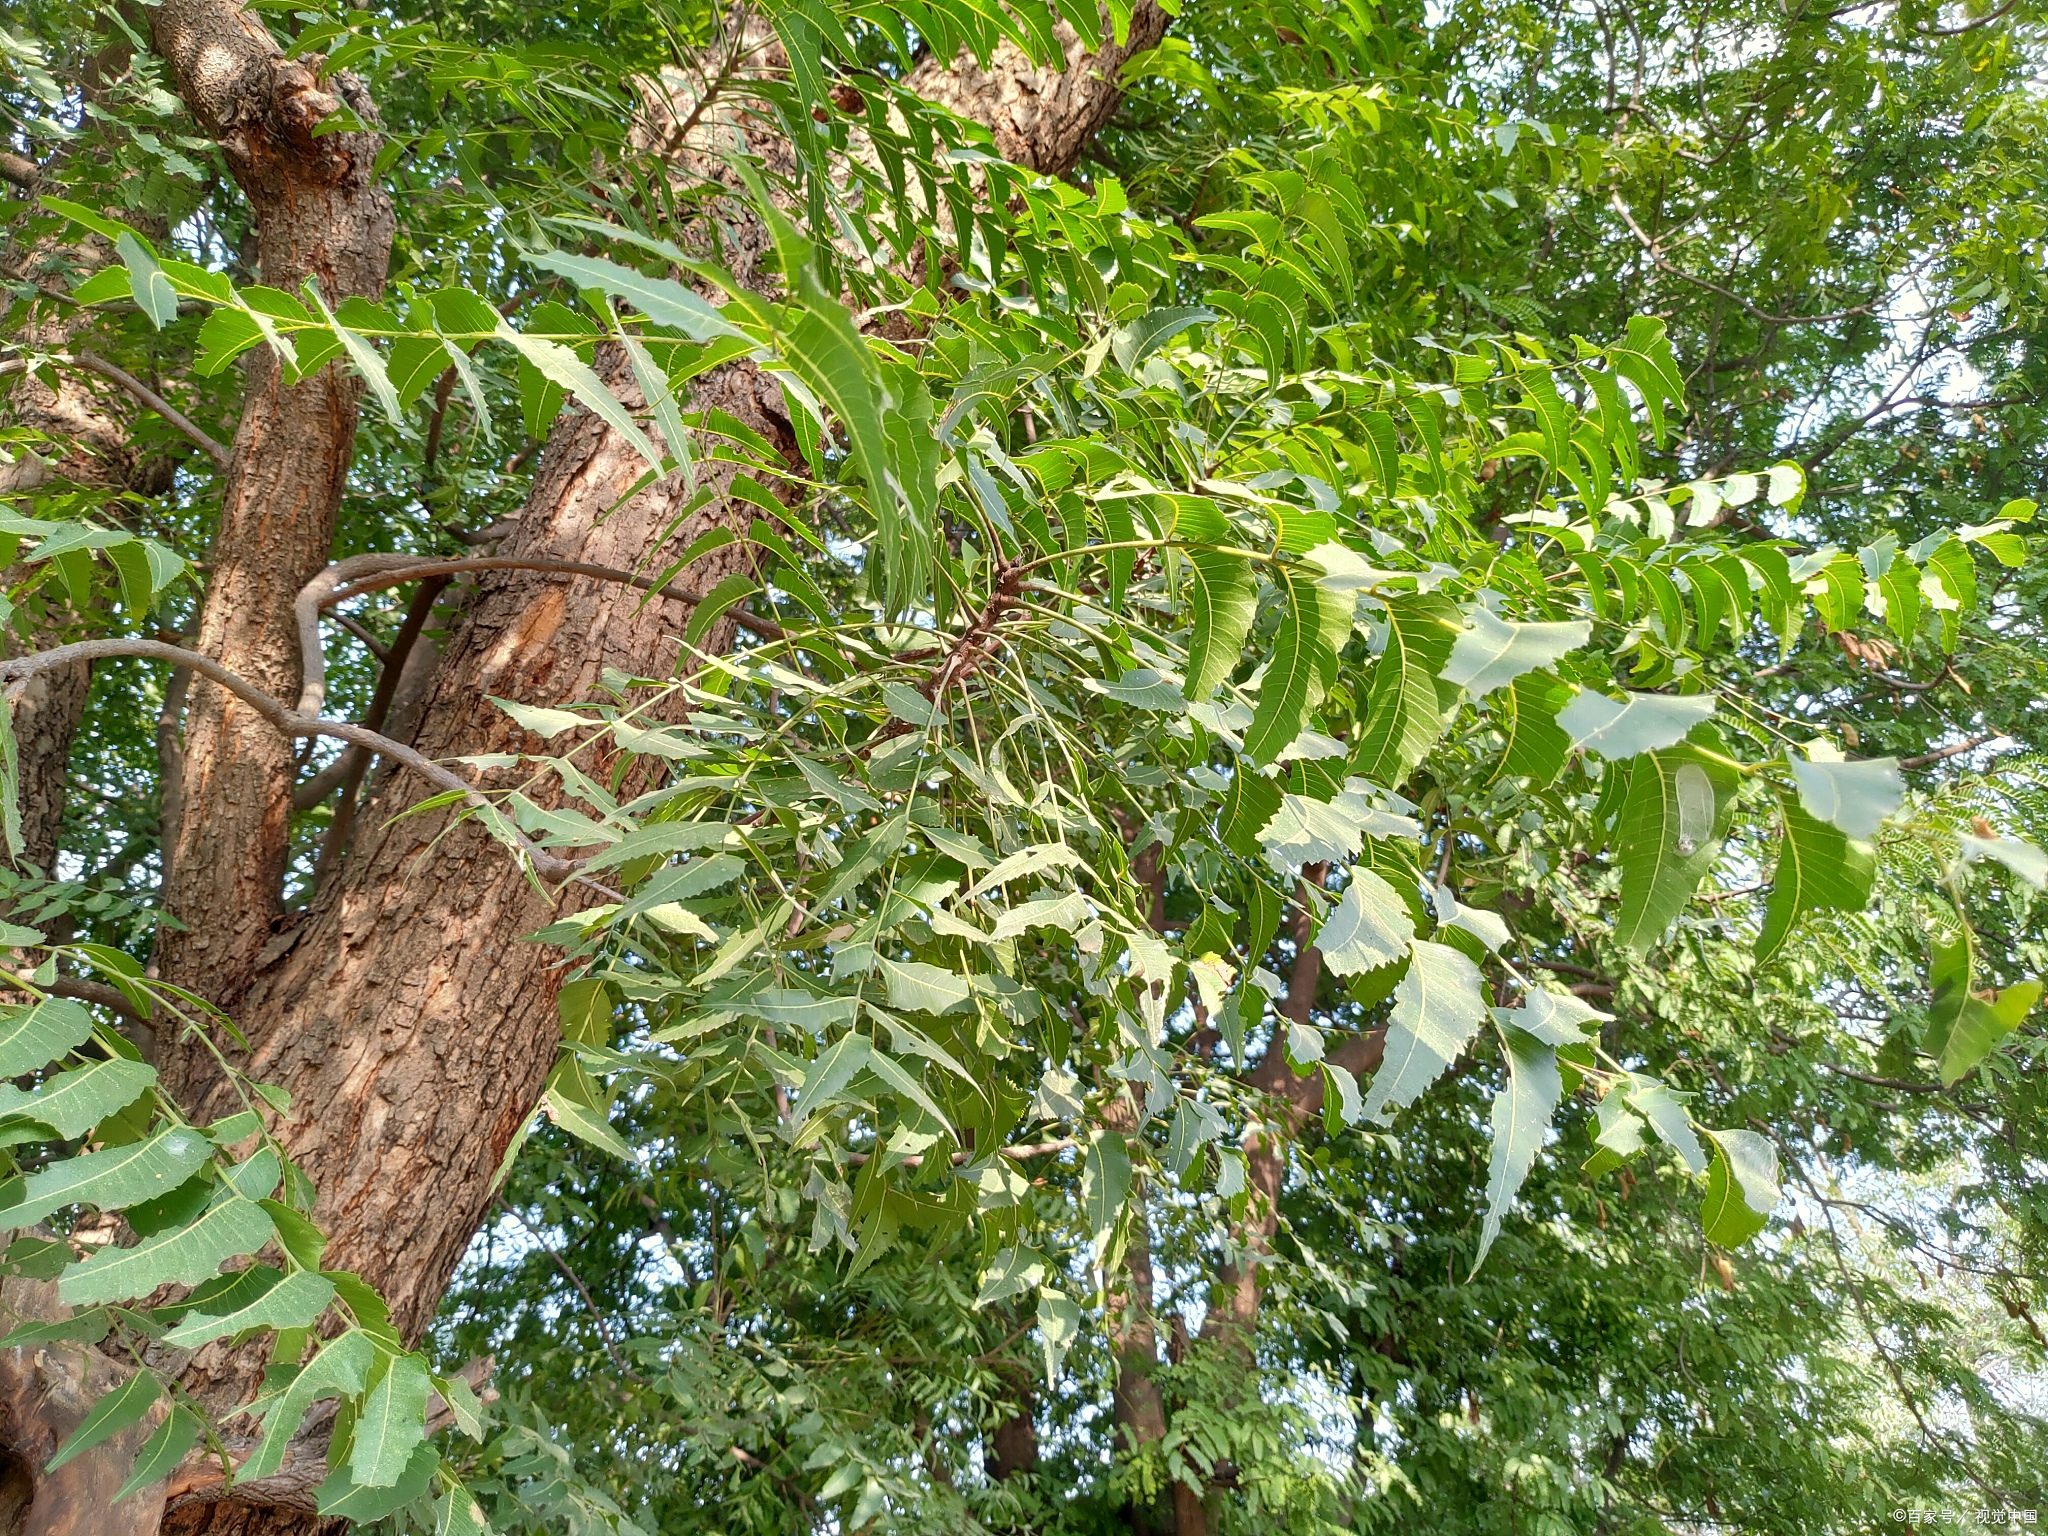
{"type": "Point", "coordinates": [412, 1026]}
{"type": "Point", "coordinates": [321, 215]}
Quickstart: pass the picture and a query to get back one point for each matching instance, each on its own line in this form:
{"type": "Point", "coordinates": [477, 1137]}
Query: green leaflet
{"type": "Point", "coordinates": [1225, 601]}
{"type": "Point", "coordinates": [344, 1496]}
{"type": "Point", "coordinates": [1494, 652]}
{"type": "Point", "coordinates": [1537, 746]}
{"type": "Point", "coordinates": [1981, 1025]}
{"type": "Point", "coordinates": [339, 1370]}
{"type": "Point", "coordinates": [574, 1104]}
{"type": "Point", "coordinates": [114, 1412]}
{"type": "Point", "coordinates": [1742, 1187]}
{"type": "Point", "coordinates": [1665, 1111]}
{"type": "Point", "coordinates": [113, 1179]}
{"type": "Point", "coordinates": [661, 300]}
{"type": "Point", "coordinates": [72, 1103]}
{"type": "Point", "coordinates": [1438, 1007]}
{"type": "Point", "coordinates": [1950, 976]}
{"type": "Point", "coordinates": [296, 1301]}
{"type": "Point", "coordinates": [1855, 797]}
{"type": "Point", "coordinates": [1369, 927]}
{"type": "Point", "coordinates": [1403, 709]}
{"type": "Point", "coordinates": [182, 1256]}
{"type": "Point", "coordinates": [146, 281]}
{"type": "Point", "coordinates": [1641, 723]}
{"type": "Point", "coordinates": [1105, 1184]}
{"type": "Point", "coordinates": [1304, 665]}
{"type": "Point", "coordinates": [560, 366]}
{"type": "Point", "coordinates": [162, 1451]}
{"type": "Point", "coordinates": [920, 988]}
{"type": "Point", "coordinates": [391, 1424]}
{"type": "Point", "coordinates": [1820, 868]}
{"type": "Point", "coordinates": [36, 1036]}
{"type": "Point", "coordinates": [1667, 838]}
{"type": "Point", "coordinates": [1521, 1114]}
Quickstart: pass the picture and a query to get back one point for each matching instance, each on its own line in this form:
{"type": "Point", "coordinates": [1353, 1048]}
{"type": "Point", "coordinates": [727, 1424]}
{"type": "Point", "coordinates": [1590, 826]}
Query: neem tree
{"type": "Point", "coordinates": [1008, 725]}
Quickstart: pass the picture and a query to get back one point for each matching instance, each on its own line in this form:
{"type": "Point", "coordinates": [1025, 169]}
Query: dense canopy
{"type": "Point", "coordinates": [916, 765]}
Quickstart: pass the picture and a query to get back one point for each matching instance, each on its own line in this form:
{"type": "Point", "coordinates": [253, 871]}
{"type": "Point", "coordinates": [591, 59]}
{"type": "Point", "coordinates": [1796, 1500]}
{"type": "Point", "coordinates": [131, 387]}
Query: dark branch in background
{"type": "Point", "coordinates": [16, 672]}
{"type": "Point", "coordinates": [20, 170]}
{"type": "Point", "coordinates": [1945, 753]}
{"type": "Point", "coordinates": [1657, 259]}
{"type": "Point", "coordinates": [361, 574]}
{"type": "Point", "coordinates": [141, 391]}
{"type": "Point", "coordinates": [99, 993]}
{"type": "Point", "coordinates": [604, 1329]}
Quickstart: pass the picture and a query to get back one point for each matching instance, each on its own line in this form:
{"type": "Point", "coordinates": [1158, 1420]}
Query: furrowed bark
{"type": "Point", "coordinates": [321, 215]}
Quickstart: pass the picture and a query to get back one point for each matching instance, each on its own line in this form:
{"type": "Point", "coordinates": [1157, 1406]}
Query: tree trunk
{"type": "Point", "coordinates": [321, 214]}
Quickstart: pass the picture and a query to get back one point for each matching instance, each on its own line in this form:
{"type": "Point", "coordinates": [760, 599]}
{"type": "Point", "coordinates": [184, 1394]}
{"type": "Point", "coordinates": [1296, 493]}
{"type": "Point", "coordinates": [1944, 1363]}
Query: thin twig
{"type": "Point", "coordinates": [1945, 753]}
{"type": "Point", "coordinates": [156, 402]}
{"type": "Point", "coordinates": [597, 1316]}
{"type": "Point", "coordinates": [1765, 316]}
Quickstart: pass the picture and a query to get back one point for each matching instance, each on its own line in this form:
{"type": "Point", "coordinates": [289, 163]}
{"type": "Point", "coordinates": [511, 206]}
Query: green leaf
{"type": "Point", "coordinates": [1537, 746]}
{"type": "Point", "coordinates": [34, 1037]}
{"type": "Point", "coordinates": [1856, 797]}
{"type": "Point", "coordinates": [114, 1412]}
{"type": "Point", "coordinates": [920, 988]}
{"type": "Point", "coordinates": [72, 1103]}
{"type": "Point", "coordinates": [113, 1179]}
{"type": "Point", "coordinates": [1404, 712]}
{"type": "Point", "coordinates": [1981, 1025]}
{"type": "Point", "coordinates": [1642, 723]}
{"type": "Point", "coordinates": [181, 1256]}
{"type": "Point", "coordinates": [296, 1301]}
{"type": "Point", "coordinates": [1820, 868]}
{"type": "Point", "coordinates": [1665, 1111]}
{"type": "Point", "coordinates": [1151, 331]}
{"type": "Point", "coordinates": [1225, 601]}
{"type": "Point", "coordinates": [390, 1425]}
{"type": "Point", "coordinates": [162, 1451]}
{"type": "Point", "coordinates": [1494, 652]}
{"type": "Point", "coordinates": [1667, 838]}
{"type": "Point", "coordinates": [1059, 1324]}
{"type": "Point", "coordinates": [561, 366]}
{"type": "Point", "coordinates": [1303, 666]}
{"type": "Point", "coordinates": [345, 1497]}
{"type": "Point", "coordinates": [296, 1234]}
{"type": "Point", "coordinates": [146, 281]}
{"type": "Point", "coordinates": [658, 298]}
{"type": "Point", "coordinates": [1950, 978]}
{"type": "Point", "coordinates": [339, 1370]}
{"type": "Point", "coordinates": [1370, 926]}
{"type": "Point", "coordinates": [1742, 1187]}
{"type": "Point", "coordinates": [574, 1108]}
{"type": "Point", "coordinates": [1105, 1184]}
{"type": "Point", "coordinates": [1438, 1006]}
{"type": "Point", "coordinates": [1011, 1272]}
{"type": "Point", "coordinates": [1521, 1114]}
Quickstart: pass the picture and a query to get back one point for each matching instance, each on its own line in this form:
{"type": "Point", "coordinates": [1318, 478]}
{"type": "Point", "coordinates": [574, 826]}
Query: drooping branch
{"type": "Point", "coordinates": [290, 723]}
{"type": "Point", "coordinates": [362, 574]}
{"type": "Point", "coordinates": [156, 402]}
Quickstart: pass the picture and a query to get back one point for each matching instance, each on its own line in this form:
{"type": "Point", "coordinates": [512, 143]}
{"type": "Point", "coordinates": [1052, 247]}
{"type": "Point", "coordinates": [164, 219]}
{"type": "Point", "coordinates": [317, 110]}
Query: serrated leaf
{"type": "Point", "coordinates": [1105, 1184]}
{"type": "Point", "coordinates": [658, 298]}
{"type": "Point", "coordinates": [72, 1103]}
{"type": "Point", "coordinates": [560, 366]}
{"type": "Point", "coordinates": [574, 1112]}
{"type": "Point", "coordinates": [1369, 927]}
{"type": "Point", "coordinates": [1494, 652]}
{"type": "Point", "coordinates": [919, 988]}
{"type": "Point", "coordinates": [182, 1256]}
{"type": "Point", "coordinates": [345, 1498]}
{"type": "Point", "coordinates": [339, 1370]}
{"type": "Point", "coordinates": [1438, 1006]}
{"type": "Point", "coordinates": [1665, 1111]}
{"type": "Point", "coordinates": [112, 1179]}
{"type": "Point", "coordinates": [390, 1424]}
{"type": "Point", "coordinates": [296, 1301]}
{"type": "Point", "coordinates": [1667, 838]}
{"type": "Point", "coordinates": [1981, 1025]}
{"type": "Point", "coordinates": [1303, 666]}
{"type": "Point", "coordinates": [1059, 1324]}
{"type": "Point", "coordinates": [1820, 868]}
{"type": "Point", "coordinates": [1403, 712]}
{"type": "Point", "coordinates": [1644, 722]}
{"type": "Point", "coordinates": [1154, 329]}
{"type": "Point", "coordinates": [1856, 797]}
{"type": "Point", "coordinates": [34, 1037]}
{"type": "Point", "coordinates": [153, 293]}
{"type": "Point", "coordinates": [1521, 1114]}
{"type": "Point", "coordinates": [1303, 830]}
{"type": "Point", "coordinates": [162, 1451]}
{"type": "Point", "coordinates": [114, 1412]}
{"type": "Point", "coordinates": [1553, 1017]}
{"type": "Point", "coordinates": [1010, 1273]}
{"type": "Point", "coordinates": [1742, 1187]}
{"type": "Point", "coordinates": [2022, 858]}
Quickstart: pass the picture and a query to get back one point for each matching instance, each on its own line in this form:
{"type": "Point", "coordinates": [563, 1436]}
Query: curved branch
{"type": "Point", "coordinates": [93, 363]}
{"type": "Point", "coordinates": [362, 574]}
{"type": "Point", "coordinates": [290, 722]}
{"type": "Point", "coordinates": [1657, 259]}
